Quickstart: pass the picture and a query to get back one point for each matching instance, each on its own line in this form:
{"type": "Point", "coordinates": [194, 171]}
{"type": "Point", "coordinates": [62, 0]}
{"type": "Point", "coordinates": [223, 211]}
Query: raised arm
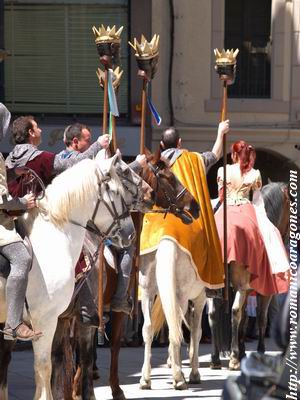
{"type": "Point", "coordinates": [222, 130]}
{"type": "Point", "coordinates": [60, 164]}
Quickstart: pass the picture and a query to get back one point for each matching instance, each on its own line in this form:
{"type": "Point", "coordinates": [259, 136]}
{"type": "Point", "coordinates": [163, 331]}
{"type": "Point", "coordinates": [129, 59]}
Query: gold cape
{"type": "Point", "coordinates": [200, 239]}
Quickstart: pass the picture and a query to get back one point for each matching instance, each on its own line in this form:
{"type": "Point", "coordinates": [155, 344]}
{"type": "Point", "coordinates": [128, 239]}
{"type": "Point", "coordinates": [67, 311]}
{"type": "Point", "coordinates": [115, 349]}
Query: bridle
{"type": "Point", "coordinates": [115, 225]}
{"type": "Point", "coordinates": [172, 201]}
{"type": "Point", "coordinates": [134, 192]}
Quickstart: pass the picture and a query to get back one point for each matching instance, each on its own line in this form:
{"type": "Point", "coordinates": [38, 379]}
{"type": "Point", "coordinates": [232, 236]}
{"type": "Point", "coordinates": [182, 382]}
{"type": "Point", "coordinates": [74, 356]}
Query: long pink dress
{"type": "Point", "coordinates": [245, 240]}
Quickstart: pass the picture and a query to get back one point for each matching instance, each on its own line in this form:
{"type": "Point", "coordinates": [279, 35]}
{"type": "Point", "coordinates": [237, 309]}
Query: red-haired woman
{"type": "Point", "coordinates": [250, 235]}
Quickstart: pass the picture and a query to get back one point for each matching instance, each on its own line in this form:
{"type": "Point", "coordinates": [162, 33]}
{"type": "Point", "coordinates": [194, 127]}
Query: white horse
{"type": "Point", "coordinates": [169, 273]}
{"type": "Point", "coordinates": [56, 231]}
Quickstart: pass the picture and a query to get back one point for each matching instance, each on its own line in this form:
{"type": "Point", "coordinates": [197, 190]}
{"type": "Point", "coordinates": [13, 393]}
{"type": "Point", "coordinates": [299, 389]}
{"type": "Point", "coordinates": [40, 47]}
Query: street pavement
{"type": "Point", "coordinates": [21, 379]}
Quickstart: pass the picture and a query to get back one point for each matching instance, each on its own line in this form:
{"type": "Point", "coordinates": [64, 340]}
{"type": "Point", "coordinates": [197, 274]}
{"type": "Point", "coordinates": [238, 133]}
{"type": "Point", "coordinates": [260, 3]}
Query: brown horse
{"type": "Point", "coordinates": [171, 196]}
{"type": "Point", "coordinates": [276, 200]}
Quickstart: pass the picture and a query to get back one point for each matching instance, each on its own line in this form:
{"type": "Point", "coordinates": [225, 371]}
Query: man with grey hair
{"type": "Point", "coordinates": [12, 248]}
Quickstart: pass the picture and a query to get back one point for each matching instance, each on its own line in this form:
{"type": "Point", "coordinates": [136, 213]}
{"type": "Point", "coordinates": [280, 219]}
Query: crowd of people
{"type": "Point", "coordinates": [254, 244]}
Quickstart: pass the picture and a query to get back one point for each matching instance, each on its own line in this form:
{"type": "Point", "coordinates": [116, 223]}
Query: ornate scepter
{"type": "Point", "coordinates": [226, 69]}
{"type": "Point", "coordinates": [146, 54]}
{"type": "Point", "coordinates": [116, 80]}
{"type": "Point", "coordinates": [108, 46]}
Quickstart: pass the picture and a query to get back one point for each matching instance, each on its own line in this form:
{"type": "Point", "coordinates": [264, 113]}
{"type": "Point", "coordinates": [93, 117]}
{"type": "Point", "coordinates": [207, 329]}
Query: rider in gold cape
{"type": "Point", "coordinates": [200, 239]}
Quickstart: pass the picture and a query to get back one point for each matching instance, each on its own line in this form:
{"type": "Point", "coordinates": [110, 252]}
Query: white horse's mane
{"type": "Point", "coordinates": [72, 188]}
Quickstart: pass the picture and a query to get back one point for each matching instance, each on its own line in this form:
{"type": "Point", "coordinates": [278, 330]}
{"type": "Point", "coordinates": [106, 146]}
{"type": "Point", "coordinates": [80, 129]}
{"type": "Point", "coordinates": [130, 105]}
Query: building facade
{"type": "Point", "coordinates": [267, 33]}
{"type": "Point", "coordinates": [50, 71]}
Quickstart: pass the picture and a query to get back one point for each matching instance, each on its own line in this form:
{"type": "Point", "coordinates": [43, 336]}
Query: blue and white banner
{"type": "Point", "coordinates": [113, 105]}
{"type": "Point", "coordinates": [153, 110]}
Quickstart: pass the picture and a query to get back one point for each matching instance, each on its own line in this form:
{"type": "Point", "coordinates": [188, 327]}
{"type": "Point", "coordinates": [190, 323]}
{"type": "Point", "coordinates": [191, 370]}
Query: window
{"type": "Point", "coordinates": [53, 57]}
{"type": "Point", "coordinates": [247, 27]}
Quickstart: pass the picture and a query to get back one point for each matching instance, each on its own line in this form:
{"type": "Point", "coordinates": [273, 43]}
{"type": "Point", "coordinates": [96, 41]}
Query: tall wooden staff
{"type": "Point", "coordinates": [108, 45]}
{"type": "Point", "coordinates": [226, 69]}
{"type": "Point", "coordinates": [117, 75]}
{"type": "Point", "coordinates": [146, 54]}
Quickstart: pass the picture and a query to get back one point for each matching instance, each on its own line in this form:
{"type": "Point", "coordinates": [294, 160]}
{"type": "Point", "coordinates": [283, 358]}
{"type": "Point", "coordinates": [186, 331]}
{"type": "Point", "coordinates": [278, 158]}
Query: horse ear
{"type": "Point", "coordinates": [269, 180]}
{"type": "Point", "coordinates": [119, 154]}
{"type": "Point", "coordinates": [116, 158]}
{"type": "Point", "coordinates": [101, 155]}
{"type": "Point", "coordinates": [157, 155]}
{"type": "Point", "coordinates": [148, 154]}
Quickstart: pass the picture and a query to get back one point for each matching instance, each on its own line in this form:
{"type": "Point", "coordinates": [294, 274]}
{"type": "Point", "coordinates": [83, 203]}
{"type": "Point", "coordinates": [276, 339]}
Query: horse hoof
{"type": "Point", "coordinates": [215, 365]}
{"type": "Point", "coordinates": [234, 365]}
{"type": "Point", "coordinates": [119, 396]}
{"type": "Point", "coordinates": [194, 378]}
{"type": "Point", "coordinates": [145, 384]}
{"type": "Point", "coordinates": [180, 385]}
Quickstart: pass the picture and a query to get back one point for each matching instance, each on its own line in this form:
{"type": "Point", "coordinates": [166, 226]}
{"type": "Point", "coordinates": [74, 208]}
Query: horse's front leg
{"type": "Point", "coordinates": [237, 309]}
{"type": "Point", "coordinates": [42, 359]}
{"type": "Point", "coordinates": [62, 365]}
{"type": "Point", "coordinates": [85, 347]}
{"type": "Point", "coordinates": [196, 333]}
{"type": "Point", "coordinates": [263, 303]}
{"type": "Point", "coordinates": [117, 325]}
{"type": "Point", "coordinates": [147, 301]}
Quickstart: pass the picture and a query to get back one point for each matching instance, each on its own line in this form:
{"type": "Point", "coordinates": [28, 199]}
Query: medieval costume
{"type": "Point", "coordinates": [252, 240]}
{"type": "Point", "coordinates": [199, 239]}
{"type": "Point", "coordinates": [44, 163]}
{"type": "Point", "coordinates": [14, 251]}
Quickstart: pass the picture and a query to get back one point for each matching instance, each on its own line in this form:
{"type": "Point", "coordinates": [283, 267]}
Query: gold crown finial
{"type": "Point", "coordinates": [107, 35]}
{"type": "Point", "coordinates": [146, 49]}
{"type": "Point", "coordinates": [226, 56]}
{"type": "Point", "coordinates": [117, 75]}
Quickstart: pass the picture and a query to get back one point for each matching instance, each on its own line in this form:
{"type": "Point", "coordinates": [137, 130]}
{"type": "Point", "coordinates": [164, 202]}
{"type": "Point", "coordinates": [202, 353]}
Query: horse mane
{"type": "Point", "coordinates": [274, 197]}
{"type": "Point", "coordinates": [70, 189]}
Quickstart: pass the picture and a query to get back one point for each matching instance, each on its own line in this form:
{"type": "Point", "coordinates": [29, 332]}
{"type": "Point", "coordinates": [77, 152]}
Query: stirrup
{"type": "Point", "coordinates": [12, 334]}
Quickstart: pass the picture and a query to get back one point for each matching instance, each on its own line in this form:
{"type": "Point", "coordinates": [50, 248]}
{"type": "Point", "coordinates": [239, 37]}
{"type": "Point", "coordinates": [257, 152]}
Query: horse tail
{"type": "Point", "coordinates": [157, 316]}
{"type": "Point", "coordinates": [166, 259]}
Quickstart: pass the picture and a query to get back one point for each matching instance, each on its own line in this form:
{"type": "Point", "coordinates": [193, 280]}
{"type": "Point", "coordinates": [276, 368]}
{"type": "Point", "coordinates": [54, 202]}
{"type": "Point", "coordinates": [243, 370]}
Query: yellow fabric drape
{"type": "Point", "coordinates": [200, 239]}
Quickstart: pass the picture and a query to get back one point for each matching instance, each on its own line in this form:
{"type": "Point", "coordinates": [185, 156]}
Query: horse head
{"type": "Point", "coordinates": [169, 193]}
{"type": "Point", "coordinates": [277, 204]}
{"type": "Point", "coordinates": [137, 193]}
